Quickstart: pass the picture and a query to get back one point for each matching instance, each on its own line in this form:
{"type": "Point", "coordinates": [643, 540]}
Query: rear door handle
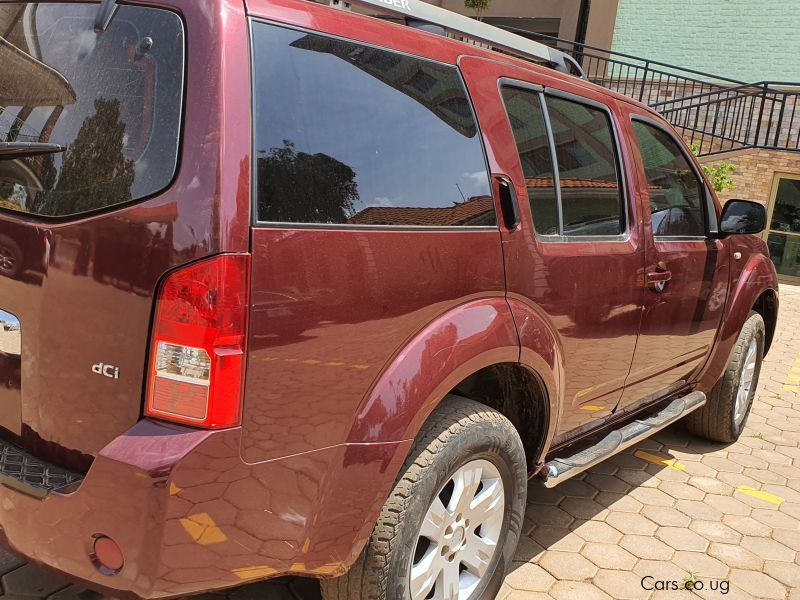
{"type": "Point", "coordinates": [658, 279]}
{"type": "Point", "coordinates": [659, 276]}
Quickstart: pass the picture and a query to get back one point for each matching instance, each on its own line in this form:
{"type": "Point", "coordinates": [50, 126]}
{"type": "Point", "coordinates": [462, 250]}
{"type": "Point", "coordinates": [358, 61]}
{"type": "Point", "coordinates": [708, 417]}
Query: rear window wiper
{"type": "Point", "coordinates": [12, 150]}
{"type": "Point", "coordinates": [104, 15]}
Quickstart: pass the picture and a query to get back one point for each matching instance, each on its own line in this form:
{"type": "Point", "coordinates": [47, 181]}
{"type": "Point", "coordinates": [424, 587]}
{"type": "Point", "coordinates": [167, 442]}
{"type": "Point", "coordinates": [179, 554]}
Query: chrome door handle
{"type": "Point", "coordinates": [658, 279]}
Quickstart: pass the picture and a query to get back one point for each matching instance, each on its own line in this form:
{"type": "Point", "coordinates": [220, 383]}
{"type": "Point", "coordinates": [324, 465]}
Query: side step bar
{"type": "Point", "coordinates": [560, 469]}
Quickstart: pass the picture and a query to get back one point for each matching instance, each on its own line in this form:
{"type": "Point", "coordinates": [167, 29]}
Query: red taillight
{"type": "Point", "coordinates": [197, 354]}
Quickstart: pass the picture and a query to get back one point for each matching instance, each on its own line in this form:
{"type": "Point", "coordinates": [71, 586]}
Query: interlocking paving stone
{"type": "Point", "coordinates": [609, 556]}
{"type": "Point", "coordinates": [75, 592]}
{"type": "Point", "coordinates": [597, 535]}
{"type": "Point", "coordinates": [30, 580]}
{"type": "Point", "coordinates": [568, 565]}
{"type": "Point", "coordinates": [716, 532]}
{"type": "Point", "coordinates": [786, 573]}
{"type": "Point", "coordinates": [9, 562]}
{"type": "Point", "coordinates": [529, 577]}
{"type": "Point", "coordinates": [758, 584]}
{"type": "Point", "coordinates": [596, 531]}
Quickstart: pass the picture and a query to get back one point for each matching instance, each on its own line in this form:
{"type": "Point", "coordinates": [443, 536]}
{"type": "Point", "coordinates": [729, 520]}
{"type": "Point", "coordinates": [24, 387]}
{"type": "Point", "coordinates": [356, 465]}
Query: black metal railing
{"type": "Point", "coordinates": [762, 115]}
{"type": "Point", "coordinates": [721, 114]}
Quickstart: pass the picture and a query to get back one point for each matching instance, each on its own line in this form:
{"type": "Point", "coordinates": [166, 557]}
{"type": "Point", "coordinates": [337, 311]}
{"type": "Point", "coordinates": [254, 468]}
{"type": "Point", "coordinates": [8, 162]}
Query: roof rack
{"type": "Point", "coordinates": [417, 12]}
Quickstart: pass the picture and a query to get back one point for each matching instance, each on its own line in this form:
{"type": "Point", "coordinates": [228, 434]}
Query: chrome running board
{"type": "Point", "coordinates": [562, 468]}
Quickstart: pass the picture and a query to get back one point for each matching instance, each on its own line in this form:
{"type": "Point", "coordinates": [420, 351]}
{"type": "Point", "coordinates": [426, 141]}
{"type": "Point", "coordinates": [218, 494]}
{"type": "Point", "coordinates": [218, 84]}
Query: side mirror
{"type": "Point", "coordinates": [743, 216]}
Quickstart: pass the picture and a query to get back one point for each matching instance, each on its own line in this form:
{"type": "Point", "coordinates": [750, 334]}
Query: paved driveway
{"type": "Point", "coordinates": [672, 509]}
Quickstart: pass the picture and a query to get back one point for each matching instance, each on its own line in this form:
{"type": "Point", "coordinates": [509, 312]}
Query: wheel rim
{"type": "Point", "coordinates": [459, 535]}
{"type": "Point", "coordinates": [746, 382]}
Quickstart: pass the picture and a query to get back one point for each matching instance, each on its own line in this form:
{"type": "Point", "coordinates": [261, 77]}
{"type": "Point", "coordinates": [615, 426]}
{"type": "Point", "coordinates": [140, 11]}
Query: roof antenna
{"type": "Point", "coordinates": [104, 15]}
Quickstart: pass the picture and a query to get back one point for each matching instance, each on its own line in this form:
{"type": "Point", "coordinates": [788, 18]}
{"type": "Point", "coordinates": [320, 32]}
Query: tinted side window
{"type": "Point", "coordinates": [525, 114]}
{"type": "Point", "coordinates": [587, 165]}
{"type": "Point", "coordinates": [350, 134]}
{"type": "Point", "coordinates": [676, 194]}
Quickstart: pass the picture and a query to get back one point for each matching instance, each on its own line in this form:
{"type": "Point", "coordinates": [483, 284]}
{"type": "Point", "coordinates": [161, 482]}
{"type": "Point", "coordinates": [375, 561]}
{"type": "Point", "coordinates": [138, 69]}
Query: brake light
{"type": "Point", "coordinates": [197, 353]}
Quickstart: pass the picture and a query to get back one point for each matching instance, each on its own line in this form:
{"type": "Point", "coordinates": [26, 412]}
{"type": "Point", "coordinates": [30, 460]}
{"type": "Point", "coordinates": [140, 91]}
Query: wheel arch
{"type": "Point", "coordinates": [767, 306]}
{"type": "Point", "coordinates": [519, 393]}
{"type": "Point", "coordinates": [755, 288]}
{"type": "Point", "coordinates": [471, 351]}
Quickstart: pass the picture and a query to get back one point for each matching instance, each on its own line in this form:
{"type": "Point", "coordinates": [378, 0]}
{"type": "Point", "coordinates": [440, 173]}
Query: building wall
{"type": "Point", "coordinates": [566, 10]}
{"type": "Point", "coordinates": [756, 177]}
{"type": "Point", "coordinates": [755, 172]}
{"type": "Point", "coordinates": [740, 39]}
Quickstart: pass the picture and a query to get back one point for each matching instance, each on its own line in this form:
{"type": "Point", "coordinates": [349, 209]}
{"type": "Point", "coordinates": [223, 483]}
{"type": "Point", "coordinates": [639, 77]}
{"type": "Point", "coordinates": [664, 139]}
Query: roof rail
{"type": "Point", "coordinates": [472, 30]}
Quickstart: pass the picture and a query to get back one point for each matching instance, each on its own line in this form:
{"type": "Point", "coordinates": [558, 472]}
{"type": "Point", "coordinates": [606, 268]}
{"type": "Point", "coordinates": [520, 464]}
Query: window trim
{"type": "Point", "coordinates": [543, 92]}
{"type": "Point", "coordinates": [254, 220]}
{"type": "Point", "coordinates": [707, 204]}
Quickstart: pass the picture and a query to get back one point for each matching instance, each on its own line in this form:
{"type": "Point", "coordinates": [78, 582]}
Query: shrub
{"type": "Point", "coordinates": [478, 6]}
{"type": "Point", "coordinates": [720, 175]}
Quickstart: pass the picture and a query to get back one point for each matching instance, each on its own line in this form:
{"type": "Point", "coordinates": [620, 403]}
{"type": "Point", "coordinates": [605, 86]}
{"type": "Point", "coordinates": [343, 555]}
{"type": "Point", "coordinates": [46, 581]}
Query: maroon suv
{"type": "Point", "coordinates": [288, 289]}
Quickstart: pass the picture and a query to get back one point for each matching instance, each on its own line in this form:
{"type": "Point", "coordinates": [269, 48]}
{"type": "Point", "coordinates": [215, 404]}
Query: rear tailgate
{"type": "Point", "coordinates": [87, 231]}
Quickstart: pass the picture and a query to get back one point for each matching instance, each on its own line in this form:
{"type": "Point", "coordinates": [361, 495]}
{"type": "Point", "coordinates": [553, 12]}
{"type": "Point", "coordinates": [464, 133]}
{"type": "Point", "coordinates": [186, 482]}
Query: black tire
{"type": "Point", "coordinates": [10, 257]}
{"type": "Point", "coordinates": [458, 432]}
{"type": "Point", "coordinates": [716, 421]}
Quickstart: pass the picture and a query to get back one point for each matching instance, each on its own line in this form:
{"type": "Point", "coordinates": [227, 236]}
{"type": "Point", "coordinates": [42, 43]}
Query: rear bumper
{"type": "Point", "coordinates": [191, 516]}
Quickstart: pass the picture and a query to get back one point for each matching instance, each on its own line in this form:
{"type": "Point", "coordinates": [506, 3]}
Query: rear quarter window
{"type": "Point", "coordinates": [351, 134]}
{"type": "Point", "coordinates": [113, 100]}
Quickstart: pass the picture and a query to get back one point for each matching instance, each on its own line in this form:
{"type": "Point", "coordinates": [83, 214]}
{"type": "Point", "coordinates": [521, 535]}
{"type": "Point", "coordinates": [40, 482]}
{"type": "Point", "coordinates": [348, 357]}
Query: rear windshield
{"type": "Point", "coordinates": [111, 100]}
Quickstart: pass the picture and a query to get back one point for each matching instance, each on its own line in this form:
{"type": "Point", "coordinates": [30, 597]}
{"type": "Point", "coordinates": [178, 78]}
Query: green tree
{"type": "Point", "coordinates": [299, 187]}
{"type": "Point", "coordinates": [94, 172]}
{"type": "Point", "coordinates": [720, 176]}
{"type": "Point", "coordinates": [479, 6]}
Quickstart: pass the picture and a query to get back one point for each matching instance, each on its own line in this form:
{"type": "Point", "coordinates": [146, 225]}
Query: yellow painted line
{"type": "Point", "coordinates": [203, 529]}
{"type": "Point", "coordinates": [334, 363]}
{"type": "Point", "coordinates": [670, 463]}
{"type": "Point", "coordinates": [253, 572]}
{"type": "Point", "coordinates": [270, 358]}
{"type": "Point", "coordinates": [174, 490]}
{"type": "Point", "coordinates": [593, 408]}
{"type": "Point", "coordinates": [362, 367]}
{"type": "Point", "coordinates": [765, 496]}
{"type": "Point", "coordinates": [793, 378]}
{"type": "Point", "coordinates": [791, 388]}
{"type": "Point", "coordinates": [290, 360]}
{"type": "Point", "coordinates": [795, 369]}
{"type": "Point", "coordinates": [311, 361]}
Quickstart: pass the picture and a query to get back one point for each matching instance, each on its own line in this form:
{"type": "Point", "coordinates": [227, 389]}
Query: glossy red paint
{"type": "Point", "coordinates": [752, 278]}
{"type": "Point", "coordinates": [679, 324]}
{"type": "Point", "coordinates": [87, 296]}
{"type": "Point", "coordinates": [189, 515]}
{"type": "Point", "coordinates": [596, 322]}
{"type": "Point", "coordinates": [355, 335]}
{"type": "Point", "coordinates": [375, 308]}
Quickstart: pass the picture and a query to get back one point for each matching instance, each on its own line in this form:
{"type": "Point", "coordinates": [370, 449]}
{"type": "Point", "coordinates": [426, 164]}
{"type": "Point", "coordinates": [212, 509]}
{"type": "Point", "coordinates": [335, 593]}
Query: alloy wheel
{"type": "Point", "coordinates": [459, 534]}
{"type": "Point", "coordinates": [746, 382]}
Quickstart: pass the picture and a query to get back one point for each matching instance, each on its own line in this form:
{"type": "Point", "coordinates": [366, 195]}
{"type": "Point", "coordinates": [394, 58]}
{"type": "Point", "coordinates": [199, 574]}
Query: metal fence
{"type": "Point", "coordinates": [718, 113]}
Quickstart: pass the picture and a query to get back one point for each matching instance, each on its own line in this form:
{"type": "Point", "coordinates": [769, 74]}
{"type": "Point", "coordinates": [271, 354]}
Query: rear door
{"type": "Point", "coordinates": [577, 256]}
{"type": "Point", "coordinates": [93, 212]}
{"type": "Point", "coordinates": [687, 271]}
